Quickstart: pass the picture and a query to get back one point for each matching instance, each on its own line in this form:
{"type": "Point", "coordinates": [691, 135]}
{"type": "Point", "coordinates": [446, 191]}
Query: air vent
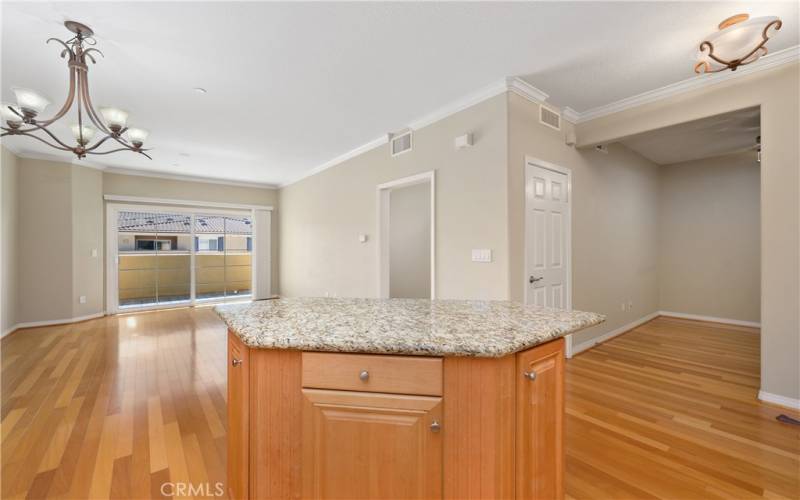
{"type": "Point", "coordinates": [549, 117]}
{"type": "Point", "coordinates": [400, 143]}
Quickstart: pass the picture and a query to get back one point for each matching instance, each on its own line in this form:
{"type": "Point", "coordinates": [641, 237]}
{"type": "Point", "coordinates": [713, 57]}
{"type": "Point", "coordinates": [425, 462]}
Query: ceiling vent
{"type": "Point", "coordinates": [400, 143]}
{"type": "Point", "coordinates": [550, 118]}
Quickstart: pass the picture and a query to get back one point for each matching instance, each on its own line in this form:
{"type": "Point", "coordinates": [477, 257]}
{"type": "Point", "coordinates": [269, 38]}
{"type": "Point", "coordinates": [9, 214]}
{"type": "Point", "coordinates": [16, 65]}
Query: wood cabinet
{"type": "Point", "coordinates": [313, 425]}
{"type": "Point", "coordinates": [366, 445]}
{"type": "Point", "coordinates": [540, 423]}
{"type": "Point", "coordinates": [238, 418]}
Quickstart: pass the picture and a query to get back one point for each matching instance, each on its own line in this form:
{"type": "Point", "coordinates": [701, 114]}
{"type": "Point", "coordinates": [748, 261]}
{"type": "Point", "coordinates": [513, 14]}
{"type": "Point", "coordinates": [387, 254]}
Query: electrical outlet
{"type": "Point", "coordinates": [82, 299]}
{"type": "Point", "coordinates": [94, 252]}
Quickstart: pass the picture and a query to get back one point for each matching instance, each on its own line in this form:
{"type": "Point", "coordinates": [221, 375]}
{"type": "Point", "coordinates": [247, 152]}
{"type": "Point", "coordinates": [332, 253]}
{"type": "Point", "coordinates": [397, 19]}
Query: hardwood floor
{"type": "Point", "coordinates": [669, 410]}
{"type": "Point", "coordinates": [119, 406]}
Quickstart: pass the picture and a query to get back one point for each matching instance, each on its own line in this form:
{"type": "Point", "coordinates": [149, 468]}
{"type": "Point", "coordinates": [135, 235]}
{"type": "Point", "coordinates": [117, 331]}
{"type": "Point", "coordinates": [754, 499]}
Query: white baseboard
{"type": "Point", "coordinates": [574, 349]}
{"type": "Point", "coordinates": [779, 400]}
{"type": "Point", "coordinates": [33, 324]}
{"type": "Point", "coordinates": [711, 319]}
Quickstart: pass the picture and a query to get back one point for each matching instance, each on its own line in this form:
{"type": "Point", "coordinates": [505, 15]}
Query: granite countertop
{"type": "Point", "coordinates": [400, 326]}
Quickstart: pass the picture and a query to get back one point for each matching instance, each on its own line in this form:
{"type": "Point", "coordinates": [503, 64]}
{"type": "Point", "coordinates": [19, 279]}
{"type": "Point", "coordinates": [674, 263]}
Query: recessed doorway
{"type": "Point", "coordinates": [406, 237]}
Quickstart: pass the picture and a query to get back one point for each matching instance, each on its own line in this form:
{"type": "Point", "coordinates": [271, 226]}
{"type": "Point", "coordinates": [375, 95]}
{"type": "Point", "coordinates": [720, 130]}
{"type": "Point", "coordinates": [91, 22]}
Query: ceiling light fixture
{"type": "Point", "coordinates": [739, 41]}
{"type": "Point", "coordinates": [112, 125]}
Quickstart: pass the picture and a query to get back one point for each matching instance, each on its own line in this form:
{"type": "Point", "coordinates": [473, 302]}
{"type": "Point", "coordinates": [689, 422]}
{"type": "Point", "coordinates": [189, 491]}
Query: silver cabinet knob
{"type": "Point", "coordinates": [531, 375]}
{"type": "Point", "coordinates": [364, 375]}
{"type": "Point", "coordinates": [436, 426]}
{"type": "Point", "coordinates": [236, 362]}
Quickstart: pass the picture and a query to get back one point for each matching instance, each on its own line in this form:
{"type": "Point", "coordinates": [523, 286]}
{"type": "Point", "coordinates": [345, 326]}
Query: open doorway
{"type": "Point", "coordinates": [406, 234]}
{"type": "Point", "coordinates": [709, 229]}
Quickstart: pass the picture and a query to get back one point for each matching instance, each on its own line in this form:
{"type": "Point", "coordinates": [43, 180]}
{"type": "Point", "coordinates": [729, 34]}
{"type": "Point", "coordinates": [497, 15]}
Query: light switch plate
{"type": "Point", "coordinates": [482, 255]}
{"type": "Point", "coordinates": [82, 299]}
{"type": "Point", "coordinates": [94, 252]}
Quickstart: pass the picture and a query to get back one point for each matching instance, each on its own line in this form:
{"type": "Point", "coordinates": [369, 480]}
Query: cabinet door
{"type": "Point", "coordinates": [238, 421]}
{"type": "Point", "coordinates": [540, 421]}
{"type": "Point", "coordinates": [371, 445]}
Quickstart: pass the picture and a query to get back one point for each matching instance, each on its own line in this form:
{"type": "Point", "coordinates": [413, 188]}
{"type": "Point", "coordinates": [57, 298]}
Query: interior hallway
{"type": "Point", "coordinates": [117, 406]}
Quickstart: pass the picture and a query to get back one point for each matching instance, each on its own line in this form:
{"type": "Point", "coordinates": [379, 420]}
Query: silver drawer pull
{"type": "Point", "coordinates": [531, 375]}
{"type": "Point", "coordinates": [236, 362]}
{"type": "Point", "coordinates": [436, 426]}
{"type": "Point", "coordinates": [364, 375]}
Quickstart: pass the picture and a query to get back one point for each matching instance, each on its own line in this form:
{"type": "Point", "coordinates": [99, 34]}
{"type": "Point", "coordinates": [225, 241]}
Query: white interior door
{"type": "Point", "coordinates": [547, 192]}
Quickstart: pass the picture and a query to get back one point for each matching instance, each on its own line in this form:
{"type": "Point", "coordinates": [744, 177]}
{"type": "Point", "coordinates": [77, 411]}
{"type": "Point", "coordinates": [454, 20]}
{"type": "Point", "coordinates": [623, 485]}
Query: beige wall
{"type": "Point", "coordinates": [44, 247]}
{"type": "Point", "coordinates": [8, 239]}
{"type": "Point", "coordinates": [614, 220]}
{"type": "Point", "coordinates": [410, 242]}
{"type": "Point", "coordinates": [321, 216]}
{"type": "Point", "coordinates": [87, 217]}
{"type": "Point", "coordinates": [709, 233]}
{"type": "Point", "coordinates": [154, 187]}
{"type": "Point", "coordinates": [777, 92]}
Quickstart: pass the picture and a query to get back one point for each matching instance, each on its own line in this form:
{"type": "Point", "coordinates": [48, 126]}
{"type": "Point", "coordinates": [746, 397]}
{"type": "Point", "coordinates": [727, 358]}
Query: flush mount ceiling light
{"type": "Point", "coordinates": [21, 119]}
{"type": "Point", "coordinates": [739, 41]}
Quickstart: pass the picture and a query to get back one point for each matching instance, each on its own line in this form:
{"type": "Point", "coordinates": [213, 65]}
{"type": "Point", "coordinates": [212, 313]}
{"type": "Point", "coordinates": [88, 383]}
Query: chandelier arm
{"type": "Point", "coordinates": [67, 104]}
{"type": "Point", "coordinates": [118, 150]}
{"type": "Point", "coordinates": [43, 129]}
{"type": "Point", "coordinates": [67, 48]}
{"type": "Point", "coordinates": [100, 142]}
{"type": "Point", "coordinates": [63, 146]}
{"type": "Point", "coordinates": [87, 100]}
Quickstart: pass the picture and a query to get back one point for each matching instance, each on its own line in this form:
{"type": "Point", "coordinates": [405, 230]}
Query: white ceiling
{"type": "Point", "coordinates": [293, 85]}
{"type": "Point", "coordinates": [704, 138]}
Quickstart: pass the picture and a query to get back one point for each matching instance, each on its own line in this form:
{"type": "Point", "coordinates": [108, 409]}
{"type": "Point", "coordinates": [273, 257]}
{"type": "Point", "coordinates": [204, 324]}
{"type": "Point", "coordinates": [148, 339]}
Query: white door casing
{"type": "Point", "coordinates": [547, 235]}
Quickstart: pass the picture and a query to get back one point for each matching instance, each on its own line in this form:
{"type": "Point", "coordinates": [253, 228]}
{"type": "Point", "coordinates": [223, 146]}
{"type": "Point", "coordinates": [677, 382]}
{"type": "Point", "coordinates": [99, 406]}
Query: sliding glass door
{"type": "Point", "coordinates": [166, 258]}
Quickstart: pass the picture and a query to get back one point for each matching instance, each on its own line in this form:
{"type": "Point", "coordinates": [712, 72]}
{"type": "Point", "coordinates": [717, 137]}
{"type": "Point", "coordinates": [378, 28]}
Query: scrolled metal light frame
{"type": "Point", "coordinates": [705, 67]}
{"type": "Point", "coordinates": [78, 52]}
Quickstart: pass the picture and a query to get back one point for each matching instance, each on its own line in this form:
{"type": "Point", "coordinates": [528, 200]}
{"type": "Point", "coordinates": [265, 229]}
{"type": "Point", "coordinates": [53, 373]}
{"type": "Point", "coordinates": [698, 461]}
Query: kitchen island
{"type": "Point", "coordinates": [396, 398]}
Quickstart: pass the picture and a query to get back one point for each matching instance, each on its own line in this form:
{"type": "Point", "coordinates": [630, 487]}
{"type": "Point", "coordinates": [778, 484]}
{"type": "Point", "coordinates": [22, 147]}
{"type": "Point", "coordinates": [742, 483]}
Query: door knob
{"type": "Point", "coordinates": [236, 362]}
{"type": "Point", "coordinates": [534, 280]}
{"type": "Point", "coordinates": [436, 426]}
{"type": "Point", "coordinates": [531, 375]}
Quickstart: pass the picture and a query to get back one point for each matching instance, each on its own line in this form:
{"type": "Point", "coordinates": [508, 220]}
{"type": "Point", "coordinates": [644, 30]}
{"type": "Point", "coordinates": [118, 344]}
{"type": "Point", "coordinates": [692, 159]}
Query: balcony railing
{"type": "Point", "coordinates": [147, 278]}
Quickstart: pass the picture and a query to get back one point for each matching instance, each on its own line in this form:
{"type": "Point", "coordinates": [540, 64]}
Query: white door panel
{"type": "Point", "coordinates": [547, 237]}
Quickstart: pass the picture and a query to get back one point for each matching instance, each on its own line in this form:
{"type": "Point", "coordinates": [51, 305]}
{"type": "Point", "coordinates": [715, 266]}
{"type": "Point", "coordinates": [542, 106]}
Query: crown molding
{"type": "Point", "coordinates": [510, 84]}
{"type": "Point", "coordinates": [525, 89]}
{"type": "Point", "coordinates": [774, 60]}
{"type": "Point", "coordinates": [187, 178]}
{"type": "Point", "coordinates": [32, 155]}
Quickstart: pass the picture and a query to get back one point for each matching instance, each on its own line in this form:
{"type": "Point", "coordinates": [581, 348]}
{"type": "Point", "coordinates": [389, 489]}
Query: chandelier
{"type": "Point", "coordinates": [22, 118]}
{"type": "Point", "coordinates": [739, 41]}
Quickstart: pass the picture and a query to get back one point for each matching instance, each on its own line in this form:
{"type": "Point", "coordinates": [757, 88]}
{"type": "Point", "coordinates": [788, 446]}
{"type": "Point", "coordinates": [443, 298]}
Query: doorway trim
{"type": "Point", "coordinates": [383, 227]}
{"type": "Point", "coordinates": [530, 162]}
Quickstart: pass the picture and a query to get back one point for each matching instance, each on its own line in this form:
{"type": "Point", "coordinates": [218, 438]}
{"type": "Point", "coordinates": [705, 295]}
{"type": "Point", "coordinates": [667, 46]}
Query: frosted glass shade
{"type": "Point", "coordinates": [88, 133]}
{"type": "Point", "coordinates": [115, 118]}
{"type": "Point", "coordinates": [8, 115]}
{"type": "Point", "coordinates": [137, 135]}
{"type": "Point", "coordinates": [29, 100]}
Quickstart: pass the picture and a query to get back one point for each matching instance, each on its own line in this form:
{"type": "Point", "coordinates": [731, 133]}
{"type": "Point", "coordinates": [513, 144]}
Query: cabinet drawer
{"type": "Point", "coordinates": [373, 373]}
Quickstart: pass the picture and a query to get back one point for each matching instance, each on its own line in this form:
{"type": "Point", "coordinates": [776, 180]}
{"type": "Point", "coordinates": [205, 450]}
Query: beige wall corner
{"type": "Point", "coordinates": [321, 216]}
{"type": "Point", "coordinates": [8, 239]}
{"type": "Point", "coordinates": [709, 237]}
{"type": "Point", "coordinates": [44, 246]}
{"type": "Point", "coordinates": [777, 92]}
